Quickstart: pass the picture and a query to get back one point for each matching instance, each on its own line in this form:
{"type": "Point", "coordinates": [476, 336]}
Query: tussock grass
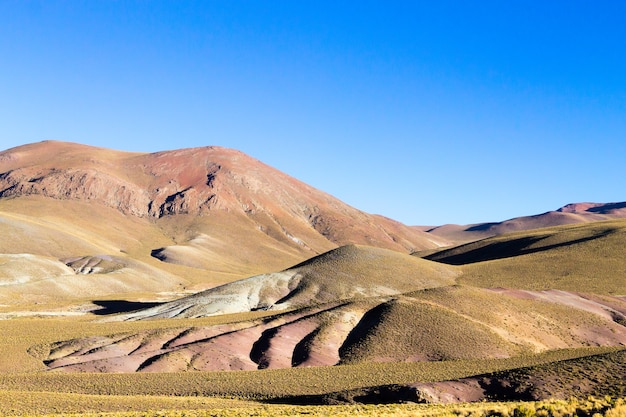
{"type": "Point", "coordinates": [589, 407]}
{"type": "Point", "coordinates": [27, 402]}
{"type": "Point", "coordinates": [597, 375]}
{"type": "Point", "coordinates": [407, 328]}
{"type": "Point", "coordinates": [277, 383]}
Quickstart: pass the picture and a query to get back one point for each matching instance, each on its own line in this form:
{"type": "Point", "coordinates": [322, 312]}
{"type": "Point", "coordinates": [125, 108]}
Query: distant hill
{"type": "Point", "coordinates": [569, 214]}
{"type": "Point", "coordinates": [585, 257]}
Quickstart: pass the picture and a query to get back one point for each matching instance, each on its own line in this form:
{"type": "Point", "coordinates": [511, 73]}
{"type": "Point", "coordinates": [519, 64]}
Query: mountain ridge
{"type": "Point", "coordinates": [198, 181]}
{"type": "Point", "coordinates": [571, 213]}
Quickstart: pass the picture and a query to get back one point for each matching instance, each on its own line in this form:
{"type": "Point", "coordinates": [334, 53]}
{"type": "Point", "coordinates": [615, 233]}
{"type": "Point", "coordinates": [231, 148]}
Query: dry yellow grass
{"type": "Point", "coordinates": [28, 402]}
{"type": "Point", "coordinates": [20, 371]}
{"type": "Point", "coordinates": [409, 329]}
{"type": "Point", "coordinates": [589, 407]}
{"type": "Point", "coordinates": [582, 258]}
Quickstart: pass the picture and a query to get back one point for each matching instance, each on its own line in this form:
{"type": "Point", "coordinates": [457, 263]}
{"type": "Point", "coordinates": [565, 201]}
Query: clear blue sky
{"type": "Point", "coordinates": [427, 112]}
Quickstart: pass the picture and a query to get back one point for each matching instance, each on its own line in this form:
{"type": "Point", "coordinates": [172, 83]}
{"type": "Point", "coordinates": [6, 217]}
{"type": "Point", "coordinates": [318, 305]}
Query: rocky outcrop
{"type": "Point", "coordinates": [77, 184]}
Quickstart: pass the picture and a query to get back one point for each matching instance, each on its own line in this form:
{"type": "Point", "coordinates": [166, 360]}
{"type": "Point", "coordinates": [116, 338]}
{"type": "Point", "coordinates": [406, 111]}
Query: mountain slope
{"type": "Point", "coordinates": [582, 258]}
{"type": "Point", "coordinates": [177, 221]}
{"type": "Point", "coordinates": [199, 181]}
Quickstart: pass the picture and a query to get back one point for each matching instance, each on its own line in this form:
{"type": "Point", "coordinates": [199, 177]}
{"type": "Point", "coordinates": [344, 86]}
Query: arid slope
{"type": "Point", "coordinates": [172, 222]}
{"type": "Point", "coordinates": [428, 325]}
{"type": "Point", "coordinates": [359, 304]}
{"type": "Point", "coordinates": [199, 181]}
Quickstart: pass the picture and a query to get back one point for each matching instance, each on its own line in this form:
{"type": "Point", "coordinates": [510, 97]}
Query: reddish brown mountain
{"type": "Point", "coordinates": [204, 182]}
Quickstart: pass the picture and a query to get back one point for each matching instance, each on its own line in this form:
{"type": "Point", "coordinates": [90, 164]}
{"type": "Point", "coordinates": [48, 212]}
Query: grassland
{"type": "Point", "coordinates": [585, 258]}
{"type": "Point", "coordinates": [602, 374]}
{"type": "Point", "coordinates": [26, 388]}
{"type": "Point", "coordinates": [589, 407]}
{"type": "Point", "coordinates": [267, 384]}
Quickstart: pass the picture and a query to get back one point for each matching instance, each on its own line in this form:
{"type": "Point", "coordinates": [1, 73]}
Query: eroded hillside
{"type": "Point", "coordinates": [403, 311]}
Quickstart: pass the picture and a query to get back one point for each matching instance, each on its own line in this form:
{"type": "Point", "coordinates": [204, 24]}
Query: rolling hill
{"type": "Point", "coordinates": [569, 214]}
{"type": "Point", "coordinates": [584, 258]}
{"type": "Point", "coordinates": [441, 324]}
{"type": "Point", "coordinates": [341, 274]}
{"type": "Point", "coordinates": [437, 314]}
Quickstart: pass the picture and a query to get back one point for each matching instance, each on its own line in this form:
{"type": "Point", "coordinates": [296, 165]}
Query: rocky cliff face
{"type": "Point", "coordinates": [146, 186]}
{"type": "Point", "coordinates": [79, 184]}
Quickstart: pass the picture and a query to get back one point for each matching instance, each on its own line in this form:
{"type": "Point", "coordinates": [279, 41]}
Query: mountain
{"type": "Point", "coordinates": [166, 221]}
{"type": "Point", "coordinates": [569, 214]}
{"type": "Point", "coordinates": [198, 182]}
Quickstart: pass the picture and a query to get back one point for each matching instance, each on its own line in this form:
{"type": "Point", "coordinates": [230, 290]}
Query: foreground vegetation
{"type": "Point", "coordinates": [591, 407]}
{"type": "Point", "coordinates": [241, 393]}
{"type": "Point", "coordinates": [268, 384]}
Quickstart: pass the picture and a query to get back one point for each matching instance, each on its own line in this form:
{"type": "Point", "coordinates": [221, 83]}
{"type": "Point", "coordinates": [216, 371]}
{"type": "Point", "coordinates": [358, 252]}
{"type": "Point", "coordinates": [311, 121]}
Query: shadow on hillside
{"type": "Point", "coordinates": [607, 208]}
{"type": "Point", "coordinates": [358, 334]}
{"type": "Point", "coordinates": [482, 227]}
{"type": "Point", "coordinates": [381, 394]}
{"type": "Point", "coordinates": [502, 250]}
{"type": "Point", "coordinates": [120, 306]}
{"type": "Point", "coordinates": [158, 254]}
